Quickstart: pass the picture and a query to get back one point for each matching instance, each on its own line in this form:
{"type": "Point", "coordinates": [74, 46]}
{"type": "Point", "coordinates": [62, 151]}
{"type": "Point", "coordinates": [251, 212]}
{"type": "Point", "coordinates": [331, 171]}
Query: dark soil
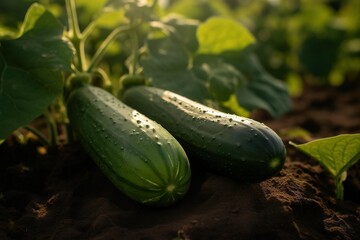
{"type": "Point", "coordinates": [63, 195]}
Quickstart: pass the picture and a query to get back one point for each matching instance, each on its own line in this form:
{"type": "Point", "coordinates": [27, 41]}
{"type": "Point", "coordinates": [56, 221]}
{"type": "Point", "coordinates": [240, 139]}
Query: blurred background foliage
{"type": "Point", "coordinates": [315, 40]}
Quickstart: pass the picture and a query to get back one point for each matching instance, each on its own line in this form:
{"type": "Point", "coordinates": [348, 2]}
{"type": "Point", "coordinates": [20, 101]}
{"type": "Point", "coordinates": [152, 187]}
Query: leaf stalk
{"type": "Point", "coordinates": [99, 54]}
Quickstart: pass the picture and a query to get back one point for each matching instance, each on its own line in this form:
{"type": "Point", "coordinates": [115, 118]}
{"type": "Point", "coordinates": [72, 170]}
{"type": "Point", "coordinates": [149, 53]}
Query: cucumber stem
{"type": "Point", "coordinates": [88, 30]}
{"type": "Point", "coordinates": [73, 22]}
{"type": "Point", "coordinates": [75, 34]}
{"type": "Point", "coordinates": [135, 51]}
{"type": "Point", "coordinates": [99, 54]}
{"type": "Point", "coordinates": [54, 135]}
{"type": "Point", "coordinates": [339, 188]}
{"type": "Point", "coordinates": [39, 135]}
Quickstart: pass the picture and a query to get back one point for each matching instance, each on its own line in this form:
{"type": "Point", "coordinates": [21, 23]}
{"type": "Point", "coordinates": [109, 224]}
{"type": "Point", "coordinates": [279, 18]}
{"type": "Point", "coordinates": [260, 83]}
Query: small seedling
{"type": "Point", "coordinates": [337, 154]}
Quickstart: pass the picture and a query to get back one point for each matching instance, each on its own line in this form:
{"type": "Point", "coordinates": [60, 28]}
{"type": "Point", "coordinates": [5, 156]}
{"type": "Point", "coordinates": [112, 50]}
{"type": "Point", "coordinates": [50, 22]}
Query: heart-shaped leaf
{"type": "Point", "coordinates": [31, 69]}
{"type": "Point", "coordinates": [336, 153]}
{"type": "Point", "coordinates": [219, 35]}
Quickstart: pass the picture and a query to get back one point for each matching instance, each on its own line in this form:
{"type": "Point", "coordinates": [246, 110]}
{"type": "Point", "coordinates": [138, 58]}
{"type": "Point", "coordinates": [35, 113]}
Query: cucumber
{"type": "Point", "coordinates": [140, 157]}
{"type": "Point", "coordinates": [230, 145]}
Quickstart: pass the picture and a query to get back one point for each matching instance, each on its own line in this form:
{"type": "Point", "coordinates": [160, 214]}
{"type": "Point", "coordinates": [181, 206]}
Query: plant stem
{"type": "Point", "coordinates": [88, 30]}
{"type": "Point", "coordinates": [135, 51]}
{"type": "Point", "coordinates": [52, 129]}
{"type": "Point", "coordinates": [73, 22]}
{"type": "Point", "coordinates": [75, 33]}
{"type": "Point", "coordinates": [339, 188]}
{"type": "Point", "coordinates": [102, 49]}
{"type": "Point", "coordinates": [39, 135]}
{"type": "Point", "coordinates": [81, 55]}
{"type": "Point", "coordinates": [69, 18]}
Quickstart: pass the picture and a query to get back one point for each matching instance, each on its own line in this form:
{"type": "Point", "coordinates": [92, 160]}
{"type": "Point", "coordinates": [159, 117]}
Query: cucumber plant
{"type": "Point", "coordinates": [47, 68]}
{"type": "Point", "coordinates": [126, 38]}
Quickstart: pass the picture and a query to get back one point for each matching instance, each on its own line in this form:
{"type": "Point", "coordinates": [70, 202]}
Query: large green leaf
{"type": "Point", "coordinates": [222, 78]}
{"type": "Point", "coordinates": [168, 62]}
{"type": "Point", "coordinates": [135, 10]}
{"type": "Point", "coordinates": [31, 69]}
{"type": "Point", "coordinates": [168, 66]}
{"type": "Point", "coordinates": [318, 54]}
{"type": "Point", "coordinates": [261, 90]}
{"type": "Point", "coordinates": [336, 153]}
{"type": "Point", "coordinates": [183, 30]}
{"type": "Point", "coordinates": [199, 9]}
{"type": "Point", "coordinates": [219, 35]}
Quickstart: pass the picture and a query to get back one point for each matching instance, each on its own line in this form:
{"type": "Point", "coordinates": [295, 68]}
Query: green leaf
{"type": "Point", "coordinates": [261, 90]}
{"type": "Point", "coordinates": [7, 33]}
{"type": "Point", "coordinates": [91, 6]}
{"type": "Point", "coordinates": [319, 54]}
{"type": "Point", "coordinates": [31, 69]}
{"type": "Point", "coordinates": [184, 30]}
{"type": "Point", "coordinates": [254, 88]}
{"type": "Point", "coordinates": [219, 35]}
{"type": "Point", "coordinates": [200, 10]}
{"type": "Point", "coordinates": [167, 65]}
{"type": "Point", "coordinates": [222, 78]}
{"type": "Point", "coordinates": [168, 62]}
{"type": "Point", "coordinates": [138, 10]}
{"type": "Point", "coordinates": [110, 18]}
{"type": "Point", "coordinates": [336, 153]}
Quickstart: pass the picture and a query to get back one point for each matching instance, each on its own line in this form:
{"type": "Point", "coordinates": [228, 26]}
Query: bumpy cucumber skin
{"type": "Point", "coordinates": [140, 157]}
{"type": "Point", "coordinates": [233, 146]}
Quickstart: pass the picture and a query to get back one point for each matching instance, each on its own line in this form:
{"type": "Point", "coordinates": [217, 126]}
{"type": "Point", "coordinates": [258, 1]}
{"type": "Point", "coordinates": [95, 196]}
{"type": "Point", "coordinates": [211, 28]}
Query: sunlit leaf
{"type": "Point", "coordinates": [91, 6]}
{"type": "Point", "coordinates": [336, 153]}
{"type": "Point", "coordinates": [31, 69]}
{"type": "Point", "coordinates": [233, 105]}
{"type": "Point", "coordinates": [110, 18]}
{"type": "Point", "coordinates": [296, 132]}
{"type": "Point", "coordinates": [336, 77]}
{"type": "Point", "coordinates": [219, 35]}
{"type": "Point", "coordinates": [200, 10]}
{"type": "Point", "coordinates": [135, 10]}
{"type": "Point", "coordinates": [295, 84]}
{"type": "Point", "coordinates": [8, 33]}
{"type": "Point", "coordinates": [315, 16]}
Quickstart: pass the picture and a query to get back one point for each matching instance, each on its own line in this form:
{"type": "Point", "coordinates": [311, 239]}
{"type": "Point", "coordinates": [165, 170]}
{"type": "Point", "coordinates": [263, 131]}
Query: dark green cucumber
{"type": "Point", "coordinates": [234, 146]}
{"type": "Point", "coordinates": [139, 156]}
